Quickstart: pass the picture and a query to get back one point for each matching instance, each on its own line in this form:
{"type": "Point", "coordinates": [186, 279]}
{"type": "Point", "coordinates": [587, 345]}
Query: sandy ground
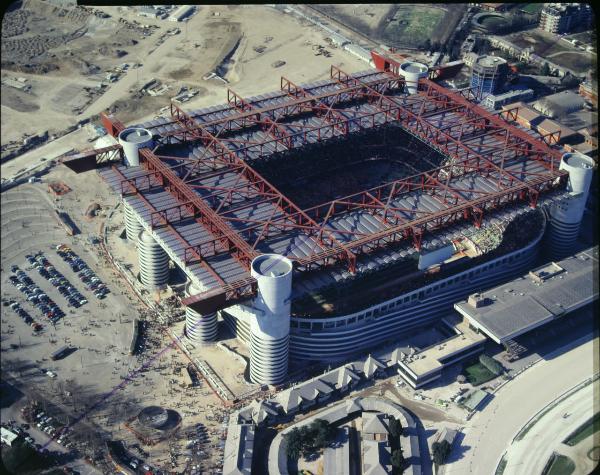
{"type": "Point", "coordinates": [100, 330]}
{"type": "Point", "coordinates": [183, 59]}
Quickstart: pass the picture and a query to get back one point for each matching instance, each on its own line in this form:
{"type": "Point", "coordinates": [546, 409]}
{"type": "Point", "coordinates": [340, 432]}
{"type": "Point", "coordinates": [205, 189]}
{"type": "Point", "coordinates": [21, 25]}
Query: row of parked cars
{"type": "Point", "coordinates": [21, 312]}
{"type": "Point", "coordinates": [53, 428]}
{"type": "Point", "coordinates": [49, 272]}
{"type": "Point", "coordinates": [91, 281]}
{"type": "Point", "coordinates": [35, 295]}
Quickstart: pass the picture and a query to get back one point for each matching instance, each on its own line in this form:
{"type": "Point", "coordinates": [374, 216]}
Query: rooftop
{"type": "Point", "coordinates": [534, 299]}
{"type": "Point", "coordinates": [217, 201]}
{"type": "Point", "coordinates": [431, 359]}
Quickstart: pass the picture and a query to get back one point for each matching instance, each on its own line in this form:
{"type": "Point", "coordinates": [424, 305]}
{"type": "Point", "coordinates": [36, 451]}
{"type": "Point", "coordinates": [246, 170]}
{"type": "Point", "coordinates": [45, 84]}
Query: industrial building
{"type": "Point", "coordinates": [563, 17]}
{"type": "Point", "coordinates": [289, 238]}
{"type": "Point", "coordinates": [543, 295]}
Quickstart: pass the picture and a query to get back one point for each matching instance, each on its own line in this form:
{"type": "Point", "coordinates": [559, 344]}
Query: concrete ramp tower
{"type": "Point", "coordinates": [154, 262]}
{"type": "Point", "coordinates": [270, 328]}
{"type": "Point", "coordinates": [565, 216]}
{"type": "Point", "coordinates": [133, 227]}
{"type": "Point", "coordinates": [132, 139]}
{"type": "Point", "coordinates": [199, 329]}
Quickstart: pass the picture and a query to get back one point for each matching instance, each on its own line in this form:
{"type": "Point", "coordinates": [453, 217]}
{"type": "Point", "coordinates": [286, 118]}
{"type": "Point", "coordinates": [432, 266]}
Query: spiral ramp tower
{"type": "Point", "coordinates": [154, 262]}
{"type": "Point", "coordinates": [133, 227]}
{"type": "Point", "coordinates": [565, 216]}
{"type": "Point", "coordinates": [270, 329]}
{"type": "Point", "coordinates": [200, 329]}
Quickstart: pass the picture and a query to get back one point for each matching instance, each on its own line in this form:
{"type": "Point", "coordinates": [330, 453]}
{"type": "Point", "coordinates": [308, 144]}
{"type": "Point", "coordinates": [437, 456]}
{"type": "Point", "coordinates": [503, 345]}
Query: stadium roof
{"type": "Point", "coordinates": [201, 198]}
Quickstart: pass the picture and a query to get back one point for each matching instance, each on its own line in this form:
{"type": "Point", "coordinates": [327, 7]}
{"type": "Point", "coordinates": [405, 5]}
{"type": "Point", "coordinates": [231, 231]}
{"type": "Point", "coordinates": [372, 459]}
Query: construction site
{"type": "Point", "coordinates": [253, 238]}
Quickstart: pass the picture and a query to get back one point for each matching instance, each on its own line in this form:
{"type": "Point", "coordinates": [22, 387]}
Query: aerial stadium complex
{"type": "Point", "coordinates": [321, 220]}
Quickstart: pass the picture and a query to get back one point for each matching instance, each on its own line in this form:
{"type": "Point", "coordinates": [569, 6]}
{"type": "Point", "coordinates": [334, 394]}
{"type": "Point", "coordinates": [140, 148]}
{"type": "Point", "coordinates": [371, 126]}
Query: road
{"type": "Point", "coordinates": [490, 432]}
{"type": "Point", "coordinates": [530, 454]}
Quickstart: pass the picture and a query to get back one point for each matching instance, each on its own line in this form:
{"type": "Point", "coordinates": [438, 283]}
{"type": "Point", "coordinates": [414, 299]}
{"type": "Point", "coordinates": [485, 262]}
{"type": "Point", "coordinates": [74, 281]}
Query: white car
{"type": "Point", "coordinates": [51, 374]}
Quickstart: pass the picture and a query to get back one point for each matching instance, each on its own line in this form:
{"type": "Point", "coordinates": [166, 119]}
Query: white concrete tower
{"type": "Point", "coordinates": [132, 139]}
{"type": "Point", "coordinates": [412, 72]}
{"type": "Point", "coordinates": [270, 328]}
{"type": "Point", "coordinates": [565, 216]}
{"type": "Point", "coordinates": [199, 329]}
{"type": "Point", "coordinates": [154, 262]}
{"type": "Point", "coordinates": [133, 227]}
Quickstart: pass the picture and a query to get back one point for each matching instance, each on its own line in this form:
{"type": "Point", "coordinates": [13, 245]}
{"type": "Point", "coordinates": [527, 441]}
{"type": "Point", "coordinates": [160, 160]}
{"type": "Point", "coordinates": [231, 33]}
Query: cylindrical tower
{"type": "Point", "coordinates": [132, 140]}
{"type": "Point", "coordinates": [412, 72]}
{"type": "Point", "coordinates": [133, 227]}
{"type": "Point", "coordinates": [565, 216]}
{"type": "Point", "coordinates": [489, 74]}
{"type": "Point", "coordinates": [199, 329]}
{"type": "Point", "coordinates": [270, 329]}
{"type": "Point", "coordinates": [154, 262]}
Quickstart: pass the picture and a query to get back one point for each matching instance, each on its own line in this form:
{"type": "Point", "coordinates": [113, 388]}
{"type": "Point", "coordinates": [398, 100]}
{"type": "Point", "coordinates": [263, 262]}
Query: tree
{"type": "Point", "coordinates": [491, 364]}
{"type": "Point", "coordinates": [323, 433]}
{"type": "Point", "coordinates": [397, 459]}
{"type": "Point", "coordinates": [395, 427]}
{"type": "Point", "coordinates": [545, 71]}
{"type": "Point", "coordinates": [441, 450]}
{"type": "Point", "coordinates": [294, 444]}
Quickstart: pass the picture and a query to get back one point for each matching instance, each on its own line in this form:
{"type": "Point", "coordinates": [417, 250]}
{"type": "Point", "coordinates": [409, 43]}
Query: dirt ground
{"type": "Point", "coordinates": [406, 25]}
{"type": "Point", "coordinates": [555, 49]}
{"type": "Point", "coordinates": [62, 50]}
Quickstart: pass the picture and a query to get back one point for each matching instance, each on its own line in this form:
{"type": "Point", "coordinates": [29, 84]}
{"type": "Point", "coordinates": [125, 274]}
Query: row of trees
{"type": "Point", "coordinates": [309, 438]}
{"type": "Point", "coordinates": [395, 430]}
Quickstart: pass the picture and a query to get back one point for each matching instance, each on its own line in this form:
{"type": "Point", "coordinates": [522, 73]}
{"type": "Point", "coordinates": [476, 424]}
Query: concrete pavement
{"type": "Point", "coordinates": [530, 454]}
{"type": "Point", "coordinates": [490, 432]}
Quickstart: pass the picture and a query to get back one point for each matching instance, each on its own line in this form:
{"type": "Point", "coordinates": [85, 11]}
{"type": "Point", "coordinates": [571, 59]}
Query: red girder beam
{"type": "Point", "coordinates": [286, 109]}
{"type": "Point", "coordinates": [200, 258]}
{"type": "Point", "coordinates": [326, 111]}
{"type": "Point", "coordinates": [264, 185]}
{"type": "Point", "coordinates": [212, 221]}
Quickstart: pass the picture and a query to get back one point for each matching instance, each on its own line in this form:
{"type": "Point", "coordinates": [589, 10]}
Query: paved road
{"type": "Point", "coordinates": [530, 454]}
{"type": "Point", "coordinates": [490, 432]}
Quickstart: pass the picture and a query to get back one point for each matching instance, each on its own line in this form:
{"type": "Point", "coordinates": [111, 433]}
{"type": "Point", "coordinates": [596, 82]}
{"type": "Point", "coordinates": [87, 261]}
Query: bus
{"type": "Point", "coordinates": [60, 353]}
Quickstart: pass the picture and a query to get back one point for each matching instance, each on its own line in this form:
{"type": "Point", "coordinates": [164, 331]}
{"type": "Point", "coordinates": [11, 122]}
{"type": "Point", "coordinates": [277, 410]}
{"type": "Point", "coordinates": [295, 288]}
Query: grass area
{"type": "Point", "coordinates": [413, 24]}
{"type": "Point", "coordinates": [478, 374]}
{"type": "Point", "coordinates": [532, 8]}
{"type": "Point", "coordinates": [561, 465]}
{"type": "Point", "coordinates": [584, 431]}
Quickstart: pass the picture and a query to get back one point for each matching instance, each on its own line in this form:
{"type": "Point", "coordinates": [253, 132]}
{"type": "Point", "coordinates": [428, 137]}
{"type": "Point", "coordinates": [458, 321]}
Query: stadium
{"type": "Point", "coordinates": [325, 219]}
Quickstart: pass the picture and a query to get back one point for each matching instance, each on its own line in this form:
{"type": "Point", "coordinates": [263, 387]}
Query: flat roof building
{"type": "Point", "coordinates": [528, 302]}
{"type": "Point", "coordinates": [559, 104]}
{"type": "Point", "coordinates": [563, 17]}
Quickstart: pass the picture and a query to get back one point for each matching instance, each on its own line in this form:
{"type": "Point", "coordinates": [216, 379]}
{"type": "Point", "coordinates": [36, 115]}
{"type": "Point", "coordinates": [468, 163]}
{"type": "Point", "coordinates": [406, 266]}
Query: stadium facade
{"type": "Point", "coordinates": [388, 247]}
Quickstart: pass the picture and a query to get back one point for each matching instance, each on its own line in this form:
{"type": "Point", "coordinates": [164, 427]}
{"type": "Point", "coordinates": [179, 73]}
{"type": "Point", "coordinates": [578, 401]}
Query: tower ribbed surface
{"type": "Point", "coordinates": [133, 227]}
{"type": "Point", "coordinates": [268, 359]}
{"type": "Point", "coordinates": [200, 328]}
{"type": "Point", "coordinates": [154, 262]}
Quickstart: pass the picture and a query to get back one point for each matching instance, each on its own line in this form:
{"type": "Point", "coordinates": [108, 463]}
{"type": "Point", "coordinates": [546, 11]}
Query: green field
{"type": "Point", "coordinates": [532, 8]}
{"type": "Point", "coordinates": [412, 25]}
{"type": "Point", "coordinates": [561, 465]}
{"type": "Point", "coordinates": [584, 431]}
{"type": "Point", "coordinates": [478, 374]}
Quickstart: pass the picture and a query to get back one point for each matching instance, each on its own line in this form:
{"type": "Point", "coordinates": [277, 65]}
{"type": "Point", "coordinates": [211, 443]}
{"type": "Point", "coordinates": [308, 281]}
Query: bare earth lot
{"type": "Point", "coordinates": [555, 49]}
{"type": "Point", "coordinates": [61, 51]}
